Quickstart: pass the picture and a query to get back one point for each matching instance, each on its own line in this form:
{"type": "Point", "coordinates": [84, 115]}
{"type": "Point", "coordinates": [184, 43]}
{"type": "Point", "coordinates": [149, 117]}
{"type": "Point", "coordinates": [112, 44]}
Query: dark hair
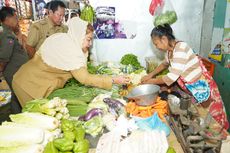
{"type": "Point", "coordinates": [47, 6]}
{"type": "Point", "coordinates": [89, 28]}
{"type": "Point", "coordinates": [163, 30]}
{"type": "Point", "coordinates": [6, 12]}
{"type": "Point", "coordinates": [53, 5]}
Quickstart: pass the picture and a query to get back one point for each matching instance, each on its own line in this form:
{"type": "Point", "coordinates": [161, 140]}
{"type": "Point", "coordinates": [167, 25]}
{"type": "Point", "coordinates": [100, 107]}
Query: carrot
{"type": "Point", "coordinates": [161, 107]}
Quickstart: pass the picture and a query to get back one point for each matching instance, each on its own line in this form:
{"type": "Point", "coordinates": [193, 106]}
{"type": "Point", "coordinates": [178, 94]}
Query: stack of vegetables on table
{"type": "Point", "coordinates": [102, 112]}
{"type": "Point", "coordinates": [28, 133]}
{"type": "Point", "coordinates": [60, 122]}
{"type": "Point", "coordinates": [55, 107]}
{"type": "Point", "coordinates": [72, 141]}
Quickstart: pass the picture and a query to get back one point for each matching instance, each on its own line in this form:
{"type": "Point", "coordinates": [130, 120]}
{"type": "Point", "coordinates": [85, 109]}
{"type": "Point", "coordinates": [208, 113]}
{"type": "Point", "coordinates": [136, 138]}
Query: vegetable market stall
{"type": "Point", "coordinates": [74, 116]}
{"type": "Point", "coordinates": [77, 118]}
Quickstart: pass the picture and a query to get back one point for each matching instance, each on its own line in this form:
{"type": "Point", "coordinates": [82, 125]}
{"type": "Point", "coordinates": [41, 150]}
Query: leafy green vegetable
{"type": "Point", "coordinates": [103, 69]}
{"type": "Point", "coordinates": [67, 125]}
{"type": "Point", "coordinates": [50, 148]}
{"type": "Point", "coordinates": [69, 135]}
{"type": "Point", "coordinates": [77, 109]}
{"type": "Point", "coordinates": [91, 68]}
{"type": "Point", "coordinates": [79, 133]}
{"type": "Point", "coordinates": [81, 146]}
{"type": "Point", "coordinates": [48, 107]}
{"type": "Point", "coordinates": [72, 82]}
{"type": "Point", "coordinates": [94, 126]}
{"type": "Point", "coordinates": [169, 17]}
{"type": "Point", "coordinates": [63, 144]}
{"type": "Point", "coordinates": [130, 59]}
{"type": "Point", "coordinates": [77, 92]}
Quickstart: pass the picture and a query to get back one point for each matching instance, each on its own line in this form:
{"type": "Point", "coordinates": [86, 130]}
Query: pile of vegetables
{"type": "Point", "coordinates": [160, 106]}
{"type": "Point", "coordinates": [131, 59]}
{"type": "Point", "coordinates": [77, 92]}
{"type": "Point", "coordinates": [77, 108]}
{"type": "Point", "coordinates": [168, 17]}
{"type": "Point", "coordinates": [102, 111]}
{"type": "Point", "coordinates": [28, 133]}
{"type": "Point", "coordinates": [91, 68]}
{"type": "Point", "coordinates": [109, 68]}
{"type": "Point", "coordinates": [73, 140]}
{"type": "Point", "coordinates": [103, 69]}
{"type": "Point", "coordinates": [136, 78]}
{"type": "Point", "coordinates": [55, 107]}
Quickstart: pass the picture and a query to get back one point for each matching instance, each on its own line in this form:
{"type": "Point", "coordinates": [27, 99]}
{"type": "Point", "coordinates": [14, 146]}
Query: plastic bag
{"type": "Point", "coordinates": [152, 123]}
{"type": "Point", "coordinates": [166, 15]}
{"type": "Point", "coordinates": [155, 5]}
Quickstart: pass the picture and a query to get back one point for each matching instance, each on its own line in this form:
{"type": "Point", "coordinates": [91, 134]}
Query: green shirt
{"type": "Point", "coordinates": [41, 30]}
{"type": "Point", "coordinates": [12, 53]}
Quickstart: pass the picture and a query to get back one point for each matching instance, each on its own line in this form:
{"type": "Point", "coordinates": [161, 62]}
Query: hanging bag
{"type": "Point", "coordinates": [155, 5]}
{"type": "Point", "coordinates": [165, 15]}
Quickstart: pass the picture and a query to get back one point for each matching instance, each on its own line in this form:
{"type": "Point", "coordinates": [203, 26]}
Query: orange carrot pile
{"type": "Point", "coordinates": [159, 106]}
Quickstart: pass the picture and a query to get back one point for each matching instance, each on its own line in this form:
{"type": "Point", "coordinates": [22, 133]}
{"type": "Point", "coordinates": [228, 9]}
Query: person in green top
{"type": "Point", "coordinates": [12, 53]}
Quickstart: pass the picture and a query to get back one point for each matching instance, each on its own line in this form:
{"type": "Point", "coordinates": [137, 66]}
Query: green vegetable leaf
{"type": "Point", "coordinates": [130, 59]}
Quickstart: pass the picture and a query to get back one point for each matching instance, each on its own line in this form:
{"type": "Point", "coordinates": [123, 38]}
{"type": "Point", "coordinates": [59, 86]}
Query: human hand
{"type": "Point", "coordinates": [149, 81]}
{"type": "Point", "coordinates": [121, 80]}
{"type": "Point", "coordinates": [146, 78]}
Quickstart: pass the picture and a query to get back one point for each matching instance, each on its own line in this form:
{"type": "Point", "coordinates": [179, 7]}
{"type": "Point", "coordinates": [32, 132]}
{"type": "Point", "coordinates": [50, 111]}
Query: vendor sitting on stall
{"type": "Point", "coordinates": [187, 70]}
{"type": "Point", "coordinates": [62, 56]}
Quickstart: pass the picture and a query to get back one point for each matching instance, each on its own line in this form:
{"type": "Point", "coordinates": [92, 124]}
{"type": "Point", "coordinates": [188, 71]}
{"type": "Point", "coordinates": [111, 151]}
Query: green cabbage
{"type": "Point", "coordinates": [94, 126]}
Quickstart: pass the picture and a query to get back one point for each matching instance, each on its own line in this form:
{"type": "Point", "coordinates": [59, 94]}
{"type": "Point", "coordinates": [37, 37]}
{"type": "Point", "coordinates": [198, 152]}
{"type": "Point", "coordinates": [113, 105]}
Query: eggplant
{"type": "Point", "coordinates": [113, 103]}
{"type": "Point", "coordinates": [90, 114]}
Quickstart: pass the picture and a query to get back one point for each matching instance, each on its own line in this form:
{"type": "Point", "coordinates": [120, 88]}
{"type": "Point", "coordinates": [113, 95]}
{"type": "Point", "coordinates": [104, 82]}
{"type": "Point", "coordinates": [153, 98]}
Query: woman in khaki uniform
{"type": "Point", "coordinates": [61, 57]}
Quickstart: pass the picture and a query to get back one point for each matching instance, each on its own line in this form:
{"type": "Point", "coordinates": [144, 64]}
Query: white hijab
{"type": "Point", "coordinates": [64, 50]}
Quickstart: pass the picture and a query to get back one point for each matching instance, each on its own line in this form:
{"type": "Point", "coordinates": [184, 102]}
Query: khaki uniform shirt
{"type": "Point", "coordinates": [41, 30]}
{"type": "Point", "coordinates": [35, 80]}
{"type": "Point", "coordinates": [12, 53]}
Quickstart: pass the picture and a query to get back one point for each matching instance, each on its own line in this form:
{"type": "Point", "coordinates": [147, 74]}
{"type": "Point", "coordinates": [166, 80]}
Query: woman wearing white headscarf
{"type": "Point", "coordinates": [61, 57]}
